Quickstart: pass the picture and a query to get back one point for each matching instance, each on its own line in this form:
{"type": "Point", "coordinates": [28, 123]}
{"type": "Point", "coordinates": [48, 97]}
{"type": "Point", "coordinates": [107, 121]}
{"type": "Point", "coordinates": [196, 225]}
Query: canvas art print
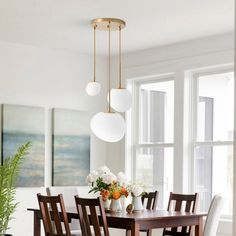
{"type": "Point", "coordinates": [22, 124]}
{"type": "Point", "coordinates": [71, 147]}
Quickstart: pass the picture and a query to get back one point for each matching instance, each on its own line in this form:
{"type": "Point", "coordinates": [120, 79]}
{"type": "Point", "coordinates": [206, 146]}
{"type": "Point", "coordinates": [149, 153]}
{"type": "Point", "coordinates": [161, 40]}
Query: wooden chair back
{"type": "Point", "coordinates": [91, 212]}
{"type": "Point", "coordinates": [68, 194]}
{"type": "Point", "coordinates": [184, 203]}
{"type": "Point", "coordinates": [54, 215]}
{"type": "Point", "coordinates": [151, 200]}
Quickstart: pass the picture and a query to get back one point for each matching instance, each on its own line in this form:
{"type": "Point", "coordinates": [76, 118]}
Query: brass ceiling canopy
{"type": "Point", "coordinates": [103, 24]}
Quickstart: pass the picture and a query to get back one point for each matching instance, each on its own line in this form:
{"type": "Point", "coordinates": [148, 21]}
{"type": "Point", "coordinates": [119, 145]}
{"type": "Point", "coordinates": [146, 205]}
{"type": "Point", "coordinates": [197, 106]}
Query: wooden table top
{"type": "Point", "coordinates": [140, 215]}
{"type": "Point", "coordinates": [153, 214]}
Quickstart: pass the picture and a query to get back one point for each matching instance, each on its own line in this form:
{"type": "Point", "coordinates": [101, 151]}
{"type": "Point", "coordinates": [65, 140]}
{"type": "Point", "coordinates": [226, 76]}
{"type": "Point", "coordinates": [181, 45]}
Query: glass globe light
{"type": "Point", "coordinates": [93, 88]}
{"type": "Point", "coordinates": [109, 127]}
{"type": "Point", "coordinates": [121, 99]}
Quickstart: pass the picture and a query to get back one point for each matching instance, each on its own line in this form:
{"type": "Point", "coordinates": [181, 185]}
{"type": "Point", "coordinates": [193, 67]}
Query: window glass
{"type": "Point", "coordinates": [214, 175]}
{"type": "Point", "coordinates": [156, 113]}
{"type": "Point", "coordinates": [215, 107]}
{"type": "Point", "coordinates": [215, 122]}
{"type": "Point", "coordinates": [154, 168]}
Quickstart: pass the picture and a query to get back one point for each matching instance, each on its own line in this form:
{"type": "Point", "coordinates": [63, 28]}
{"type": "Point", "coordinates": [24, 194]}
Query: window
{"type": "Point", "coordinates": [153, 155]}
{"type": "Point", "coordinates": [210, 143]}
{"type": "Point", "coordinates": [213, 138]}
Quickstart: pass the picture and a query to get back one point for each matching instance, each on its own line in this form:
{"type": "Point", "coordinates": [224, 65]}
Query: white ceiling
{"type": "Point", "coordinates": [65, 24]}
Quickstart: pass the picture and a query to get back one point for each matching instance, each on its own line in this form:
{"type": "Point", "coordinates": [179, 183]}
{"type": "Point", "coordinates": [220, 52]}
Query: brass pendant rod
{"type": "Point", "coordinates": [94, 53]}
{"type": "Point", "coordinates": [120, 76]}
{"type": "Point", "coordinates": [109, 68]}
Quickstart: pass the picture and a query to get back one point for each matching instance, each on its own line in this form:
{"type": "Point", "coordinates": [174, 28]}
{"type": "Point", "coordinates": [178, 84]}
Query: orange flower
{"type": "Point", "coordinates": [116, 195]}
{"type": "Point", "coordinates": [105, 194]}
{"type": "Point", "coordinates": [124, 192]}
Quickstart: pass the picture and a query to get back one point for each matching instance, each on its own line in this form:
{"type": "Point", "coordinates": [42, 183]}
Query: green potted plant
{"type": "Point", "coordinates": [9, 171]}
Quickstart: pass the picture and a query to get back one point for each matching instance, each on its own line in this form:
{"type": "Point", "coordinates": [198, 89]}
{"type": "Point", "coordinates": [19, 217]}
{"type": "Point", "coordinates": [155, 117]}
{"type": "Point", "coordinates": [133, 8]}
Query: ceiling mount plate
{"type": "Point", "coordinates": [103, 23]}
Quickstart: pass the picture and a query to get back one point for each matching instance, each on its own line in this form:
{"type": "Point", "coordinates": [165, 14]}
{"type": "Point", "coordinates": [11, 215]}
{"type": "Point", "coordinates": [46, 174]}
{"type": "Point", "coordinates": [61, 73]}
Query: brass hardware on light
{"type": "Point", "coordinates": [94, 52]}
{"type": "Point", "coordinates": [102, 23]}
{"type": "Point", "coordinates": [109, 126]}
{"type": "Point", "coordinates": [109, 68]}
{"type": "Point", "coordinates": [108, 24]}
{"type": "Point", "coordinates": [120, 58]}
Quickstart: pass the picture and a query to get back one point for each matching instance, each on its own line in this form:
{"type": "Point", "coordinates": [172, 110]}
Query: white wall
{"type": "Point", "coordinates": [48, 78]}
{"type": "Point", "coordinates": [176, 59]}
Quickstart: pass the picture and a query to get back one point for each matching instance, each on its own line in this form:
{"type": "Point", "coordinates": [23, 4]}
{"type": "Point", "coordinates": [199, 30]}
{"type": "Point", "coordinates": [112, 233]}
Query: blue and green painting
{"type": "Point", "coordinates": [71, 147]}
{"type": "Point", "coordinates": [22, 124]}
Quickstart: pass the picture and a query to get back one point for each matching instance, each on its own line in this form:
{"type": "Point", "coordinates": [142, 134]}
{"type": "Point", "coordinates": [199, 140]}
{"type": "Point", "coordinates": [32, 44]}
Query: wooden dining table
{"type": "Point", "coordinates": [136, 221]}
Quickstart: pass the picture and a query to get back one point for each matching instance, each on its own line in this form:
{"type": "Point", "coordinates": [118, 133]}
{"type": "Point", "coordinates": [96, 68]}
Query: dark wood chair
{"type": "Point", "coordinates": [54, 215]}
{"type": "Point", "coordinates": [150, 199]}
{"type": "Point", "coordinates": [151, 204]}
{"type": "Point", "coordinates": [91, 212]}
{"type": "Point", "coordinates": [184, 203]}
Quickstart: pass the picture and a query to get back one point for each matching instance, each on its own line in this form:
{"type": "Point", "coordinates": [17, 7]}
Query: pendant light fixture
{"type": "Point", "coordinates": [108, 126]}
{"type": "Point", "coordinates": [93, 88]}
{"type": "Point", "coordinates": [121, 98]}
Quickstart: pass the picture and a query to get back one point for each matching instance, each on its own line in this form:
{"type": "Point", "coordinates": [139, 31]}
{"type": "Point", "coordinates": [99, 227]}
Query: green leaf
{"type": "Point", "coordinates": [9, 172]}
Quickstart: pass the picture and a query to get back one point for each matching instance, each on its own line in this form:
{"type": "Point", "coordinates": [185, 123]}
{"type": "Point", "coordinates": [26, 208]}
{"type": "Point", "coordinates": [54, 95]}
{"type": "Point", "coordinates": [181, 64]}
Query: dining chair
{"type": "Point", "coordinates": [91, 212]}
{"type": "Point", "coordinates": [183, 203]}
{"type": "Point", "coordinates": [213, 215]}
{"type": "Point", "coordinates": [68, 194]}
{"type": "Point", "coordinates": [150, 202]}
{"type": "Point", "coordinates": [54, 215]}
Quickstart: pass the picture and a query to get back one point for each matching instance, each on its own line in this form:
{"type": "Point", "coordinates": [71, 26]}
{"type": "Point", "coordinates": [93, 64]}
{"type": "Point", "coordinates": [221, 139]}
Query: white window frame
{"type": "Point", "coordinates": [193, 119]}
{"type": "Point", "coordinates": [135, 119]}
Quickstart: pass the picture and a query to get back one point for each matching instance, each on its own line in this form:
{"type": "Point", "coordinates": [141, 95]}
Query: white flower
{"type": "Point", "coordinates": [137, 190]}
{"type": "Point", "coordinates": [103, 170]}
{"type": "Point", "coordinates": [91, 178]}
{"type": "Point", "coordinates": [108, 178]}
{"type": "Point", "coordinates": [121, 178]}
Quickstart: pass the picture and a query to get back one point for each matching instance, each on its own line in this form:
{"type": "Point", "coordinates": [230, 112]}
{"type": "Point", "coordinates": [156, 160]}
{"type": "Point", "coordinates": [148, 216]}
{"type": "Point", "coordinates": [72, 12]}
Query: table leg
{"type": "Point", "coordinates": [135, 229]}
{"type": "Point", "coordinates": [36, 224]}
{"type": "Point", "coordinates": [199, 227]}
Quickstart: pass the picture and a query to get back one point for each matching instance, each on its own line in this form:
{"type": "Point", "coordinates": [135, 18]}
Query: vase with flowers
{"type": "Point", "coordinates": [116, 192]}
{"type": "Point", "coordinates": [110, 187]}
{"type": "Point", "coordinates": [136, 191]}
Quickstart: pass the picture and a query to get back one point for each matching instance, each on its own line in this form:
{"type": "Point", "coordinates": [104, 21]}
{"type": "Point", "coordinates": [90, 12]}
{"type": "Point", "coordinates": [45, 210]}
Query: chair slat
{"type": "Point", "coordinates": [86, 220]}
{"type": "Point", "coordinates": [46, 216]}
{"type": "Point", "coordinates": [95, 221]}
{"type": "Point", "coordinates": [178, 205]}
{"type": "Point", "coordinates": [56, 218]}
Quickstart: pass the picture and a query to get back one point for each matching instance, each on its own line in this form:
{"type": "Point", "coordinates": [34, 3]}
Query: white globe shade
{"type": "Point", "coordinates": [93, 88]}
{"type": "Point", "coordinates": [121, 100]}
{"type": "Point", "coordinates": [109, 127]}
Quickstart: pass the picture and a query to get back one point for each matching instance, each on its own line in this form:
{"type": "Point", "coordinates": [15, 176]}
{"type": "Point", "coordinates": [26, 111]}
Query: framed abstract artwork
{"type": "Point", "coordinates": [71, 147]}
{"type": "Point", "coordinates": [21, 124]}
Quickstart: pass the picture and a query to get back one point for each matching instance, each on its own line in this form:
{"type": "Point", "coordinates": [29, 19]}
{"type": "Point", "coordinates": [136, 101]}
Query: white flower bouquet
{"type": "Point", "coordinates": [136, 190]}
{"type": "Point", "coordinates": [104, 181]}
